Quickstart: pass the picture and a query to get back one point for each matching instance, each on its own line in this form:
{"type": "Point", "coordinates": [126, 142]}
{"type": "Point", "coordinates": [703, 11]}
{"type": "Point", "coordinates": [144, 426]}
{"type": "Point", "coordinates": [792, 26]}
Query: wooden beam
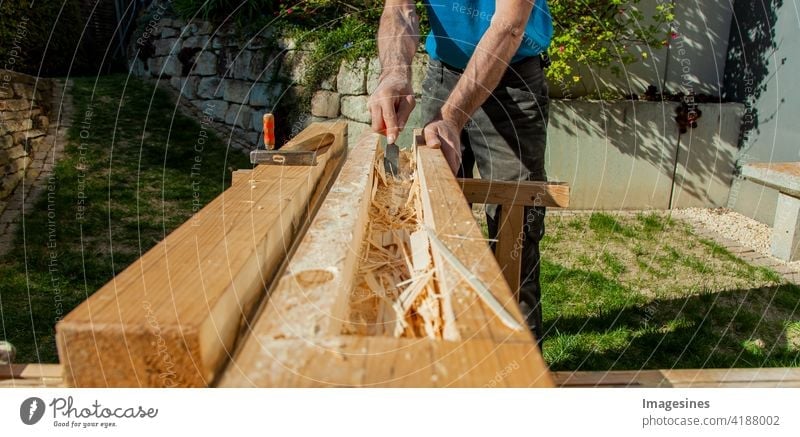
{"type": "Point", "coordinates": [30, 371]}
{"type": "Point", "coordinates": [240, 176]}
{"type": "Point", "coordinates": [521, 193]}
{"type": "Point", "coordinates": [718, 378]}
{"type": "Point", "coordinates": [310, 299]}
{"type": "Point", "coordinates": [508, 249]}
{"type": "Point", "coordinates": [386, 367]}
{"type": "Point", "coordinates": [297, 339]}
{"type": "Point", "coordinates": [758, 377]}
{"type": "Point", "coordinates": [514, 197]}
{"type": "Point", "coordinates": [451, 217]}
{"type": "Point", "coordinates": [31, 375]}
{"type": "Point", "coordinates": [367, 361]}
{"type": "Point", "coordinates": [172, 317]}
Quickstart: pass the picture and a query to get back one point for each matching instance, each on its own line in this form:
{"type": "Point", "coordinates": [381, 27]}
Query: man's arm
{"type": "Point", "coordinates": [484, 71]}
{"type": "Point", "coordinates": [393, 100]}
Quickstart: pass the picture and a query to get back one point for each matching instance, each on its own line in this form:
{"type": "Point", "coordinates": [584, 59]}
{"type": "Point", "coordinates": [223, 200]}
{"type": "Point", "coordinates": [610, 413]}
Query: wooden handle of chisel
{"type": "Point", "coordinates": [310, 144]}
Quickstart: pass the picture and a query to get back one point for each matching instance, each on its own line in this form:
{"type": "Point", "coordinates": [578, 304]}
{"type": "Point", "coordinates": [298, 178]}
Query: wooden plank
{"type": "Point", "coordinates": [172, 317]}
{"type": "Point", "coordinates": [522, 365]}
{"type": "Point", "coordinates": [622, 378]}
{"type": "Point", "coordinates": [31, 371]}
{"type": "Point", "coordinates": [31, 375]}
{"type": "Point", "coordinates": [363, 361]}
{"type": "Point", "coordinates": [399, 362]}
{"type": "Point", "coordinates": [781, 176]}
{"type": "Point", "coordinates": [513, 197]}
{"type": "Point", "coordinates": [521, 193]}
{"type": "Point", "coordinates": [468, 364]}
{"type": "Point", "coordinates": [31, 383]}
{"type": "Point", "coordinates": [758, 377]}
{"type": "Point", "coordinates": [508, 249]}
{"type": "Point", "coordinates": [332, 362]}
{"type": "Point", "coordinates": [445, 209]}
{"type": "Point", "coordinates": [240, 176]}
{"type": "Point", "coordinates": [8, 371]}
{"type": "Point", "coordinates": [310, 300]}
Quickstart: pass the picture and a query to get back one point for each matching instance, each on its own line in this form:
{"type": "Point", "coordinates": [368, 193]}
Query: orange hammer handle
{"type": "Point", "coordinates": [269, 131]}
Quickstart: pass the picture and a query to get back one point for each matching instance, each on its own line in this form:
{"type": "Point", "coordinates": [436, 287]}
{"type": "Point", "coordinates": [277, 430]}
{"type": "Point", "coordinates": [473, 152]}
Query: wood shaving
{"type": "Point", "coordinates": [396, 292]}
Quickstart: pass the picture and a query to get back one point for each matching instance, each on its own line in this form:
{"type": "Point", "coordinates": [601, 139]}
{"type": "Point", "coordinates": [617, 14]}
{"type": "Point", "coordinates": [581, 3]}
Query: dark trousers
{"type": "Point", "coordinates": [506, 137]}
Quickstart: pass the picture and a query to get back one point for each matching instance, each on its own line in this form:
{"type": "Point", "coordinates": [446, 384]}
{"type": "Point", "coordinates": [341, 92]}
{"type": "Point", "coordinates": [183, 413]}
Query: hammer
{"type": "Point", "coordinates": [294, 152]}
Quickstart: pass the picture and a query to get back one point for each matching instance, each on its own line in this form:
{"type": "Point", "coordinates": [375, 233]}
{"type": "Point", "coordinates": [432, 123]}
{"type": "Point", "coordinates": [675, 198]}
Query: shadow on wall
{"type": "Point", "coordinates": [649, 124]}
{"type": "Point", "coordinates": [752, 44]}
{"type": "Point", "coordinates": [692, 60]}
{"type": "Point", "coordinates": [629, 154]}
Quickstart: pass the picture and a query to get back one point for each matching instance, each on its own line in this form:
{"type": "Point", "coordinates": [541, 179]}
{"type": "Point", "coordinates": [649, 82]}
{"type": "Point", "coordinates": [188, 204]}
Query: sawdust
{"type": "Point", "coordinates": [396, 292]}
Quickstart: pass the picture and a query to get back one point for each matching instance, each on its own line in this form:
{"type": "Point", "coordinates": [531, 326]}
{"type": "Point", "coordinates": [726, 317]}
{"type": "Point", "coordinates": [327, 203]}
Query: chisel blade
{"type": "Point", "coordinates": [391, 159]}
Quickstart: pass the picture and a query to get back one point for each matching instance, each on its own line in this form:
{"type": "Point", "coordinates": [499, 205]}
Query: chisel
{"type": "Point", "coordinates": [391, 159]}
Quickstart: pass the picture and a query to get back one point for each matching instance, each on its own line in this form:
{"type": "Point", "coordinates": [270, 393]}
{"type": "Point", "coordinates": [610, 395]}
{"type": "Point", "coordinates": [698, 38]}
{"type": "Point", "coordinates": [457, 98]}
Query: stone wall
{"type": "Point", "coordinates": [346, 95]}
{"type": "Point", "coordinates": [234, 81]}
{"type": "Point", "coordinates": [616, 154]}
{"type": "Point", "coordinates": [24, 120]}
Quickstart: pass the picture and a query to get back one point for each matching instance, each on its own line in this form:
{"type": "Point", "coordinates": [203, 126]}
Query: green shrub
{"type": "Point", "coordinates": [44, 37]}
{"type": "Point", "coordinates": [603, 34]}
{"type": "Point", "coordinates": [595, 33]}
{"type": "Point", "coordinates": [219, 11]}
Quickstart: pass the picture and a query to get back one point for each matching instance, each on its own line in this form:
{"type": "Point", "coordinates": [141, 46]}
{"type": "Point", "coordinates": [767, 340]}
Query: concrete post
{"type": "Point", "coordinates": [786, 228]}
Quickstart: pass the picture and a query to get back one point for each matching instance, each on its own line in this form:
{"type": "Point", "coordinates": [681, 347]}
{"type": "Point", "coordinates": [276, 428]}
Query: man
{"type": "Point", "coordinates": [484, 99]}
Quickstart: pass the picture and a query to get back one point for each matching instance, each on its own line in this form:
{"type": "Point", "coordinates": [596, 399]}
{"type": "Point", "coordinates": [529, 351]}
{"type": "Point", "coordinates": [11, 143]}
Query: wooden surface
{"type": "Point", "coordinates": [715, 378]}
{"type": "Point", "coordinates": [508, 249]}
{"type": "Point", "coordinates": [372, 361]}
{"type": "Point", "coordinates": [172, 317]}
{"type": "Point", "coordinates": [782, 176]}
{"type": "Point", "coordinates": [296, 340]}
{"type": "Point", "coordinates": [309, 300]}
{"type": "Point", "coordinates": [524, 193]}
{"type": "Point", "coordinates": [31, 375]}
{"type": "Point", "coordinates": [383, 367]}
{"type": "Point", "coordinates": [449, 214]}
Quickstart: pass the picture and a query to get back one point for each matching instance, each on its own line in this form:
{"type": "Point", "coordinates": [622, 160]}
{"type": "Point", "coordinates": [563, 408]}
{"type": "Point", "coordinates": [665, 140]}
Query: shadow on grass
{"type": "Point", "coordinates": [133, 170]}
{"type": "Point", "coordinates": [597, 323]}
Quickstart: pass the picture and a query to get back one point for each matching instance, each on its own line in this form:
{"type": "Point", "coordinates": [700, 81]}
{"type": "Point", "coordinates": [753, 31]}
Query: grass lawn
{"type": "Point", "coordinates": [644, 292]}
{"type": "Point", "coordinates": [620, 292]}
{"type": "Point", "coordinates": [129, 164]}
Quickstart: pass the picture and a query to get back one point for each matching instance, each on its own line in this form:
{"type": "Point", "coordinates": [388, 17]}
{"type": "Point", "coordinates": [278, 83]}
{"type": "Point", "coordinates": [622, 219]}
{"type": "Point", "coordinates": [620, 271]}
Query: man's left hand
{"type": "Point", "coordinates": [445, 134]}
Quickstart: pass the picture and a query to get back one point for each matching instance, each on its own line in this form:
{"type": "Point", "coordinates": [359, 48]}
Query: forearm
{"type": "Point", "coordinates": [484, 70]}
{"type": "Point", "coordinates": [398, 37]}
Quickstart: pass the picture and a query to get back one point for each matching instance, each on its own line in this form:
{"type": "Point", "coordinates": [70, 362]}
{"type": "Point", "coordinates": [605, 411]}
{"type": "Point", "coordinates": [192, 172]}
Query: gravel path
{"type": "Point", "coordinates": [732, 226]}
{"type": "Point", "coordinates": [742, 229]}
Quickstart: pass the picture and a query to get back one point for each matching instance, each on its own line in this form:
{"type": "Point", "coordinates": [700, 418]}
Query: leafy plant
{"type": "Point", "coordinates": [594, 33]}
{"type": "Point", "coordinates": [41, 38]}
{"type": "Point", "coordinates": [603, 34]}
{"type": "Point", "coordinates": [222, 10]}
{"type": "Point", "coordinates": [352, 39]}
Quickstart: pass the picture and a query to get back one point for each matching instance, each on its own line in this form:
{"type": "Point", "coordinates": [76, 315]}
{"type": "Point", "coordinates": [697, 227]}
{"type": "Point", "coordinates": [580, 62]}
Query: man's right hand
{"type": "Point", "coordinates": [391, 104]}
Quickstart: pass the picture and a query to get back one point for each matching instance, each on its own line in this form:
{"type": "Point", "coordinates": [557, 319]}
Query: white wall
{"type": "Point", "coordinates": [629, 155]}
{"type": "Point", "coordinates": [762, 71]}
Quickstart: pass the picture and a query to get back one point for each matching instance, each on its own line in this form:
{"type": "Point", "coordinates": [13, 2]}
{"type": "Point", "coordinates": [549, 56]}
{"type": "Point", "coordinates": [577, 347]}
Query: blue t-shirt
{"type": "Point", "coordinates": [458, 25]}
